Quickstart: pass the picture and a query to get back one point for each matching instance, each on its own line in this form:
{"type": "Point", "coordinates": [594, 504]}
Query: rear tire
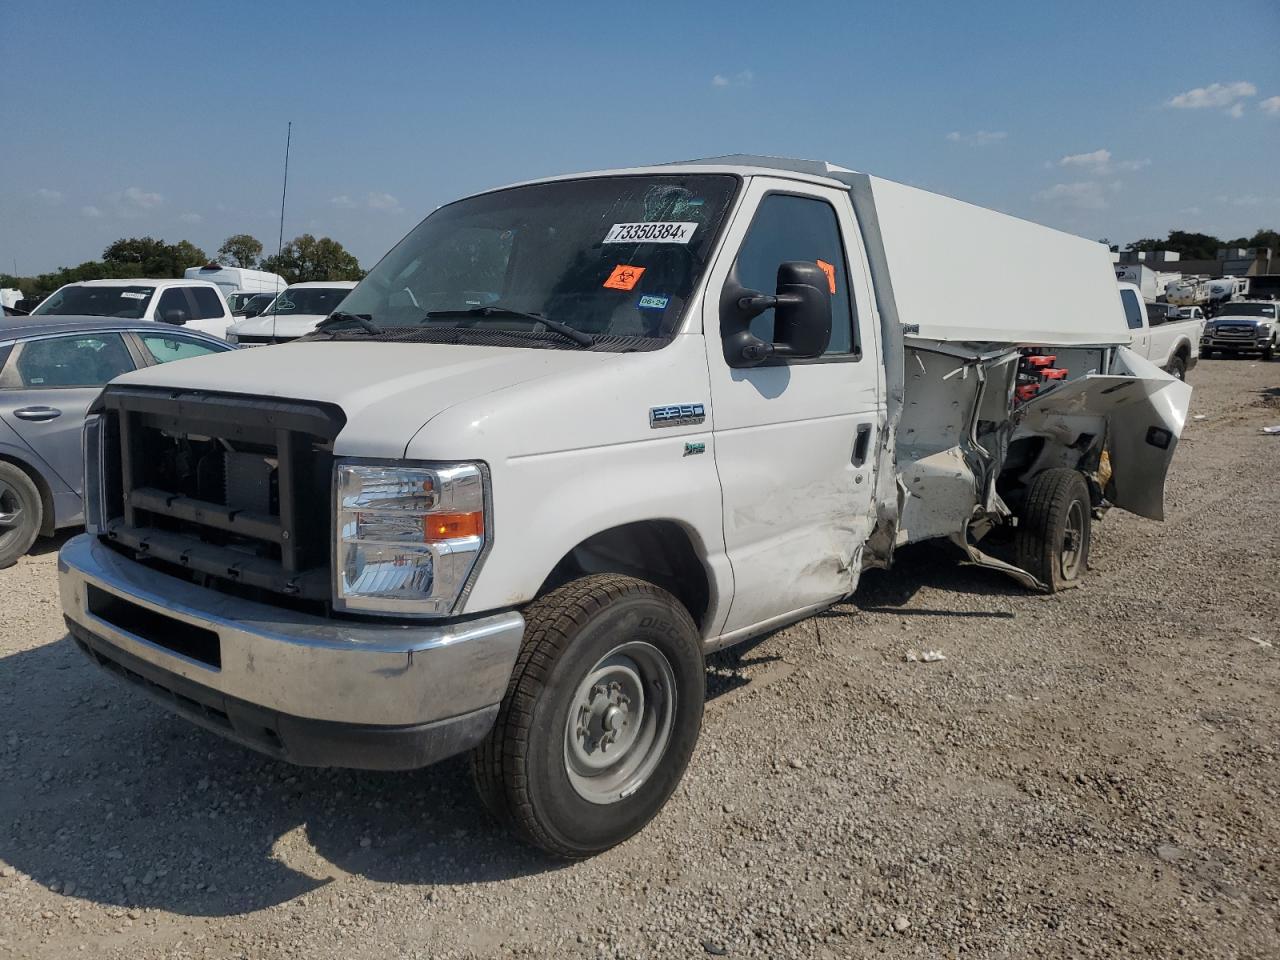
{"type": "Point", "coordinates": [21, 513]}
{"type": "Point", "coordinates": [600, 718]}
{"type": "Point", "coordinates": [1178, 368]}
{"type": "Point", "coordinates": [1052, 542]}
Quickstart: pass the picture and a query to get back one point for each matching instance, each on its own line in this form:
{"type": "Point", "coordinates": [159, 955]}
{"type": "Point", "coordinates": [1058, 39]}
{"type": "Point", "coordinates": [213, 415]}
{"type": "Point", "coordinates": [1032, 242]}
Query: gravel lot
{"type": "Point", "coordinates": [1089, 774]}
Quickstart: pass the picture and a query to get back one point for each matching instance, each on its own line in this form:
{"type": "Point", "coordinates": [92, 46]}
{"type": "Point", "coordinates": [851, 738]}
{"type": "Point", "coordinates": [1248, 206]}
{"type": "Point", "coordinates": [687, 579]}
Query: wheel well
{"type": "Point", "coordinates": [659, 551]}
{"type": "Point", "coordinates": [46, 495]}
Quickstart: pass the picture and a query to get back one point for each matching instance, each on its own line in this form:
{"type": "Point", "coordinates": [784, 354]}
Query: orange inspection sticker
{"type": "Point", "coordinates": [624, 277]}
{"type": "Point", "coordinates": [830, 271]}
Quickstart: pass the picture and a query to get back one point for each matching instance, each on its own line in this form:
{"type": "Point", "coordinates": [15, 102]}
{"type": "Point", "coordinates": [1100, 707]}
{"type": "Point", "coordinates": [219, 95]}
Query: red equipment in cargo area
{"type": "Point", "coordinates": [1036, 370]}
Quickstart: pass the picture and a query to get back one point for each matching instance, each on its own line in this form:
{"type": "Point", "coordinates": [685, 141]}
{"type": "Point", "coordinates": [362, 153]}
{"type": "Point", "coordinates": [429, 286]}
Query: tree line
{"type": "Point", "coordinates": [303, 258]}
{"type": "Point", "coordinates": [1202, 246]}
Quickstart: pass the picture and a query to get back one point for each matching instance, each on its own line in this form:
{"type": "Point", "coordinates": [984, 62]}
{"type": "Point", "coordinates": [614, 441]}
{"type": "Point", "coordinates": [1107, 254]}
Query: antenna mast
{"type": "Point", "coordinates": [285, 192]}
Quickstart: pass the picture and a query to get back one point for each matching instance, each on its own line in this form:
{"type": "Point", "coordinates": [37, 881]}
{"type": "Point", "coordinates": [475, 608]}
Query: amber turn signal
{"type": "Point", "coordinates": [452, 526]}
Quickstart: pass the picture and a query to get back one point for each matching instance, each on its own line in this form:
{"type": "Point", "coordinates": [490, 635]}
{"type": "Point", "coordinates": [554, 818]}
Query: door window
{"type": "Point", "coordinates": [1132, 312]}
{"type": "Point", "coordinates": [209, 305]}
{"type": "Point", "coordinates": [78, 361]}
{"type": "Point", "coordinates": [797, 228]}
{"type": "Point", "coordinates": [173, 299]}
{"type": "Point", "coordinates": [164, 348]}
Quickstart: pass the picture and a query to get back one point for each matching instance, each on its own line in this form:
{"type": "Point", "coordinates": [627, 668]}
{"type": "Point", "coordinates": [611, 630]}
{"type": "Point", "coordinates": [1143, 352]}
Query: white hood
{"type": "Point", "coordinates": [388, 391]}
{"type": "Point", "coordinates": [283, 326]}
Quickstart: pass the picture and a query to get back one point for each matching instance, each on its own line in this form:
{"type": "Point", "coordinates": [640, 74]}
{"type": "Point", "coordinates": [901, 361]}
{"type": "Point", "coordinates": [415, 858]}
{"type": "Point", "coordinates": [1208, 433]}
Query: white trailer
{"type": "Point", "coordinates": [232, 280]}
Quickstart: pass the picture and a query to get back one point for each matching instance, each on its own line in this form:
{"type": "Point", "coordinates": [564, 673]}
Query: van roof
{"type": "Point", "coordinates": [331, 284]}
{"type": "Point", "coordinates": [137, 281]}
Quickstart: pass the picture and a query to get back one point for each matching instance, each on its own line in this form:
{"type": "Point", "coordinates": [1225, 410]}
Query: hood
{"type": "Point", "coordinates": [286, 326]}
{"type": "Point", "coordinates": [388, 391]}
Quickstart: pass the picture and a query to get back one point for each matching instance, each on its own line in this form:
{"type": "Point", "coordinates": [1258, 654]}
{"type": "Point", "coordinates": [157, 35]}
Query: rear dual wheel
{"type": "Point", "coordinates": [600, 719]}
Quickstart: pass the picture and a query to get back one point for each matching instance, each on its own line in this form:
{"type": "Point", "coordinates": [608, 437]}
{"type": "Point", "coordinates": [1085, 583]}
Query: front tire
{"type": "Point", "coordinates": [1052, 542]}
{"type": "Point", "coordinates": [1269, 353]}
{"type": "Point", "coordinates": [21, 513]}
{"type": "Point", "coordinates": [600, 718]}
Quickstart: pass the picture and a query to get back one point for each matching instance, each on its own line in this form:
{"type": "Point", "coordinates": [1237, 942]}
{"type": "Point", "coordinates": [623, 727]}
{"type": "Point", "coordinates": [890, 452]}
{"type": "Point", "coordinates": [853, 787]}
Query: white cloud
{"type": "Point", "coordinates": [91, 212]}
{"type": "Point", "coordinates": [979, 138]}
{"type": "Point", "coordinates": [1099, 163]}
{"type": "Point", "coordinates": [1228, 96]}
{"type": "Point", "coordinates": [49, 196]}
{"type": "Point", "coordinates": [742, 78]}
{"type": "Point", "coordinates": [140, 199]}
{"type": "Point", "coordinates": [384, 201]}
{"type": "Point", "coordinates": [1083, 194]}
{"type": "Point", "coordinates": [1270, 105]}
{"type": "Point", "coordinates": [191, 218]}
{"type": "Point", "coordinates": [343, 201]}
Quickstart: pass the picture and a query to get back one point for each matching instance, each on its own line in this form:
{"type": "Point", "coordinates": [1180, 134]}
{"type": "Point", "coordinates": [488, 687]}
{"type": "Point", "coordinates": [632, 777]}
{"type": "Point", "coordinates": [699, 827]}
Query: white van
{"type": "Point", "coordinates": [194, 304]}
{"type": "Point", "coordinates": [570, 436]}
{"type": "Point", "coordinates": [233, 280]}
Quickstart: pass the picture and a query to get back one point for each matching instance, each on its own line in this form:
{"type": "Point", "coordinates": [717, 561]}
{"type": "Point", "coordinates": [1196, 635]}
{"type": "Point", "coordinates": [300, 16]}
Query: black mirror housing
{"type": "Point", "coordinates": [175, 317]}
{"type": "Point", "coordinates": [802, 316]}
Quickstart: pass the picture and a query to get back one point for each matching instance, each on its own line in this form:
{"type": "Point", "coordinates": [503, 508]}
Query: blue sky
{"type": "Point", "coordinates": [123, 119]}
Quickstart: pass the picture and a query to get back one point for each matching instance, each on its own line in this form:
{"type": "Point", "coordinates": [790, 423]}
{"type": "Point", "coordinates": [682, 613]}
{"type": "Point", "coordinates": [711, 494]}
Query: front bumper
{"type": "Point", "coordinates": [1234, 343]}
{"type": "Point", "coordinates": [310, 690]}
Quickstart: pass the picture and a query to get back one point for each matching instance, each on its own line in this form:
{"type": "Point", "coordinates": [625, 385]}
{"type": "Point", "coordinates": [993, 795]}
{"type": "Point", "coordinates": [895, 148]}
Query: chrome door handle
{"type": "Point", "coordinates": [37, 414]}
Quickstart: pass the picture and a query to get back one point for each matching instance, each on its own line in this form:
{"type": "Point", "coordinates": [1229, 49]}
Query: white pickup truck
{"type": "Point", "coordinates": [572, 435]}
{"type": "Point", "coordinates": [1244, 326]}
{"type": "Point", "coordinates": [1171, 344]}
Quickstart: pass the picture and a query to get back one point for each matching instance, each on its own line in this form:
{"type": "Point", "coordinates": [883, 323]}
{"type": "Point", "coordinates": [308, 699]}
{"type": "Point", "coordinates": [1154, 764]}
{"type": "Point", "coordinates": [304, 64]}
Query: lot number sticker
{"type": "Point", "coordinates": [666, 231]}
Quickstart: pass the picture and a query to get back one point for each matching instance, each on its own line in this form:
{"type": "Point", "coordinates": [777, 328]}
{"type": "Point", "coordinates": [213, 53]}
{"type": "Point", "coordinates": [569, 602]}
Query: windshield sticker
{"type": "Point", "coordinates": [830, 271]}
{"type": "Point", "coordinates": [133, 296]}
{"type": "Point", "coordinates": [654, 303]}
{"type": "Point", "coordinates": [624, 277]}
{"type": "Point", "coordinates": [666, 231]}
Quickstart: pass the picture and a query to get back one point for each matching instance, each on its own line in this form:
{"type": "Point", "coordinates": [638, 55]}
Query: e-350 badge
{"type": "Point", "coordinates": [677, 415]}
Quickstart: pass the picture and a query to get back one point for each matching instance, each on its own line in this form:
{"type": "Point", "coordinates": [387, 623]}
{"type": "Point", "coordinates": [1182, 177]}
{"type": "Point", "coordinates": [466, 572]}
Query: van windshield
{"type": "Point", "coordinates": [607, 256]}
{"type": "Point", "coordinates": [320, 301]}
{"type": "Point", "coordinates": [126, 302]}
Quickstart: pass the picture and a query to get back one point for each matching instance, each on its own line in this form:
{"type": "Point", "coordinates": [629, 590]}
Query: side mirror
{"type": "Point", "coordinates": [251, 312]}
{"type": "Point", "coordinates": [175, 317]}
{"type": "Point", "coordinates": [801, 311]}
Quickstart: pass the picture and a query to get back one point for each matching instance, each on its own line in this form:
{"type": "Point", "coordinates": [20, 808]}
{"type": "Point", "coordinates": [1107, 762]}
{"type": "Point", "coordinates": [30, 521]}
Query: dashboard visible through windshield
{"type": "Point", "coordinates": [607, 256]}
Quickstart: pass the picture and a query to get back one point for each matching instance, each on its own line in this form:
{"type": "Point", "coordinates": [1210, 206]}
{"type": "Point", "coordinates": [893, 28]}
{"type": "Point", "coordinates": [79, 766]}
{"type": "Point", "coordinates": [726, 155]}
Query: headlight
{"type": "Point", "coordinates": [232, 338]}
{"type": "Point", "coordinates": [1264, 329]}
{"type": "Point", "coordinates": [408, 538]}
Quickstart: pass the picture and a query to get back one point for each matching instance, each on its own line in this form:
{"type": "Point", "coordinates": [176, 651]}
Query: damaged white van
{"type": "Point", "coordinates": [571, 435]}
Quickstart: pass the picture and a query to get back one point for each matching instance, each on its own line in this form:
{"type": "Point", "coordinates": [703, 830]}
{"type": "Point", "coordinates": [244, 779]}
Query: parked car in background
{"type": "Point", "coordinates": [238, 301]}
{"type": "Point", "coordinates": [258, 303]}
{"type": "Point", "coordinates": [1244, 326]}
{"type": "Point", "coordinates": [1189, 313]}
{"type": "Point", "coordinates": [51, 368]}
{"type": "Point", "coordinates": [1170, 343]}
{"type": "Point", "coordinates": [195, 304]}
{"type": "Point", "coordinates": [237, 280]}
{"type": "Point", "coordinates": [295, 313]}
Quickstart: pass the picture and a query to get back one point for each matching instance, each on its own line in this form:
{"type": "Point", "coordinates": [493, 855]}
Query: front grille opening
{"type": "Point", "coordinates": [195, 643]}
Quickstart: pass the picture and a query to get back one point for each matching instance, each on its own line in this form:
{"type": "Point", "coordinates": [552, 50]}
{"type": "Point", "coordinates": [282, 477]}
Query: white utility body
{"type": "Point", "coordinates": [569, 436]}
{"type": "Point", "coordinates": [194, 304]}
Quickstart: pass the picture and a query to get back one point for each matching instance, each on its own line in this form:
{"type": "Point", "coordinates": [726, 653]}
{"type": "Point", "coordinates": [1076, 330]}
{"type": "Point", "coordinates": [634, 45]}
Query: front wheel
{"type": "Point", "coordinates": [600, 717]}
{"type": "Point", "coordinates": [1052, 542]}
{"type": "Point", "coordinates": [21, 513]}
{"type": "Point", "coordinates": [1269, 353]}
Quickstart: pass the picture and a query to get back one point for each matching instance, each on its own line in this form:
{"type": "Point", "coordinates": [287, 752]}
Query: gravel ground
{"type": "Point", "coordinates": [1089, 774]}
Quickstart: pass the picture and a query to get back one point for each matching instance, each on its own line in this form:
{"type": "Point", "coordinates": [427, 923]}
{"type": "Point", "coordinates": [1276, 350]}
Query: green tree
{"type": "Point", "coordinates": [306, 258]}
{"type": "Point", "coordinates": [240, 250]}
{"type": "Point", "coordinates": [149, 257]}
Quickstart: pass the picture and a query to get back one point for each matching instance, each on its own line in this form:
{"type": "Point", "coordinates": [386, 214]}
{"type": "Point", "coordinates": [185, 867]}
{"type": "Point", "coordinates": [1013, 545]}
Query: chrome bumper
{"type": "Point", "coordinates": [319, 678]}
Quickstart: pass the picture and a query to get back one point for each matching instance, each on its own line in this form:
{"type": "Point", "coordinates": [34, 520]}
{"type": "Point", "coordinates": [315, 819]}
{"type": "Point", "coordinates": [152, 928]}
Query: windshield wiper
{"type": "Point", "coordinates": [338, 318]}
{"type": "Point", "coordinates": [577, 336]}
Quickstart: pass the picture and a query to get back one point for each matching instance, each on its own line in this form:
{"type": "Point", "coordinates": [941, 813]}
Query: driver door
{"type": "Point", "coordinates": [795, 439]}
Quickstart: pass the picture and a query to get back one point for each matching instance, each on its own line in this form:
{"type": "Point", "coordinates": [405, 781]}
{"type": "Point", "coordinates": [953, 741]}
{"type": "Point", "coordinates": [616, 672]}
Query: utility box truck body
{"type": "Point", "coordinates": [569, 436]}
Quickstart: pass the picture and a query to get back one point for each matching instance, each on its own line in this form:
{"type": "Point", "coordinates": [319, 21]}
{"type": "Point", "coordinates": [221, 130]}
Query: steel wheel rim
{"type": "Point", "coordinates": [1073, 541]}
{"type": "Point", "coordinates": [620, 722]}
{"type": "Point", "coordinates": [11, 510]}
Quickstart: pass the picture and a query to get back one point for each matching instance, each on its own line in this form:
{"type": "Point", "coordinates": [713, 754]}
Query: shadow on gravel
{"type": "Point", "coordinates": [105, 791]}
{"type": "Point", "coordinates": [47, 545]}
{"type": "Point", "coordinates": [936, 565]}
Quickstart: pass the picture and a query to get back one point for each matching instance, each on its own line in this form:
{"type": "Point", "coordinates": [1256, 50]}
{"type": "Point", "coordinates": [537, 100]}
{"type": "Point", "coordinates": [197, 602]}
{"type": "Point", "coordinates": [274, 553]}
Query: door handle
{"type": "Point", "coordinates": [37, 414]}
{"type": "Point", "coordinates": [861, 444]}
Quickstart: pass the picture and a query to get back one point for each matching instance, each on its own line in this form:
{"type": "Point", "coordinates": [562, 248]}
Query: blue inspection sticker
{"type": "Point", "coordinates": [654, 303]}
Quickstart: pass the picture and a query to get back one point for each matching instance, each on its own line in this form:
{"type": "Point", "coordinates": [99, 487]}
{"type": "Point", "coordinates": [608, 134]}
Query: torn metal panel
{"type": "Point", "coordinates": [1142, 409]}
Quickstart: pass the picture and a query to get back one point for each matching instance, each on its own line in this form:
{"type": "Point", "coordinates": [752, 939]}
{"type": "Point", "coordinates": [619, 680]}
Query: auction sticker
{"type": "Point", "coordinates": [133, 296]}
{"type": "Point", "coordinates": [665, 231]}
